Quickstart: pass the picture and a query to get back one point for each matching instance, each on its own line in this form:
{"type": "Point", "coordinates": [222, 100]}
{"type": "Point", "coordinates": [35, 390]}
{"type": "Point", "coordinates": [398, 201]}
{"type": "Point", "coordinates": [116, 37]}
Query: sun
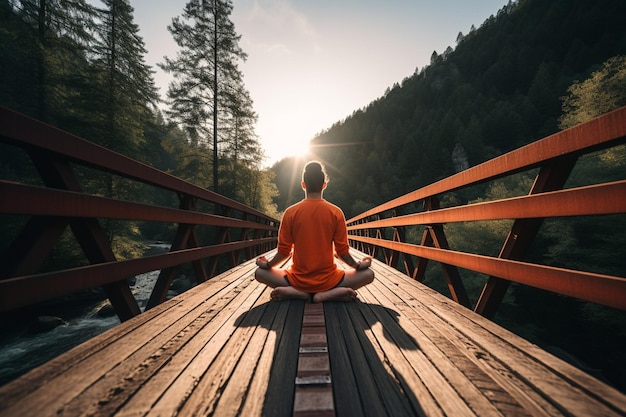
{"type": "Point", "coordinates": [301, 148]}
{"type": "Point", "coordinates": [284, 141]}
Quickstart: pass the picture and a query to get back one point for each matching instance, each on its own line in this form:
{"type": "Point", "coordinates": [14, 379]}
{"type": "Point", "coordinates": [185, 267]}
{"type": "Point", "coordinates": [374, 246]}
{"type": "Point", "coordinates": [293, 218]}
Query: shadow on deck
{"type": "Point", "coordinates": [223, 348]}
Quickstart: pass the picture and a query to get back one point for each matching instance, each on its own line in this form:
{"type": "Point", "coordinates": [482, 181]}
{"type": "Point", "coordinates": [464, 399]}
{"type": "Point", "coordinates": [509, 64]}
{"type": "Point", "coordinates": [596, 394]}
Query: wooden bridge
{"type": "Point", "coordinates": [223, 348]}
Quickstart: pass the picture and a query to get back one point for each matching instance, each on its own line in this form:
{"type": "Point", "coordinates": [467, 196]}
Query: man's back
{"type": "Point", "coordinates": [312, 226]}
{"type": "Point", "coordinates": [316, 230]}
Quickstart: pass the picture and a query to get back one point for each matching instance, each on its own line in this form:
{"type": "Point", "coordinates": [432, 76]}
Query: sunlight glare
{"type": "Point", "coordinates": [298, 149]}
{"type": "Point", "coordinates": [287, 139]}
{"type": "Point", "coordinates": [295, 148]}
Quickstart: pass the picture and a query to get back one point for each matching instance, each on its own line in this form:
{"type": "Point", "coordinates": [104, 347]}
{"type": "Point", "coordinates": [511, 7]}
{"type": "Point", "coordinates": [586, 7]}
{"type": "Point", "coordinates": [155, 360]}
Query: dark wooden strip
{"type": "Point", "coordinates": [313, 400]}
{"type": "Point", "coordinates": [280, 390]}
{"type": "Point", "coordinates": [346, 336]}
{"type": "Point", "coordinates": [348, 401]}
{"type": "Point", "coordinates": [245, 393]}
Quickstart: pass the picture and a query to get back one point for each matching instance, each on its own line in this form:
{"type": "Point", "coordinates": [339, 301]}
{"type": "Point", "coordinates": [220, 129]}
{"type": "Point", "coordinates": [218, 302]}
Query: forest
{"type": "Point", "coordinates": [81, 68]}
{"type": "Point", "coordinates": [501, 87]}
{"type": "Point", "coordinates": [532, 69]}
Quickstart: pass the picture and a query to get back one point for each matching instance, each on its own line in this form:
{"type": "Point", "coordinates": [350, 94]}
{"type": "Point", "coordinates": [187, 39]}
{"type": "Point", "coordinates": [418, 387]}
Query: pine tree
{"type": "Point", "coordinates": [127, 82]}
{"type": "Point", "coordinates": [205, 66]}
{"type": "Point", "coordinates": [59, 38]}
{"type": "Point", "coordinates": [124, 98]}
{"type": "Point", "coordinates": [241, 150]}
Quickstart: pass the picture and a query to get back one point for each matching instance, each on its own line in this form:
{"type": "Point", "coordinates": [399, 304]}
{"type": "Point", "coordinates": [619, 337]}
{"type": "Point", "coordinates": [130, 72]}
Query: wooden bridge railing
{"type": "Point", "coordinates": [382, 232]}
{"type": "Point", "coordinates": [47, 211]}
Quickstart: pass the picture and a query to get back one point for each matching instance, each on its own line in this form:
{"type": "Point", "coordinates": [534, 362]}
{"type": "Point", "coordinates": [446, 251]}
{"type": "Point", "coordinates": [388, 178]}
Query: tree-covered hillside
{"type": "Point", "coordinates": [536, 67]}
{"type": "Point", "coordinates": [498, 89]}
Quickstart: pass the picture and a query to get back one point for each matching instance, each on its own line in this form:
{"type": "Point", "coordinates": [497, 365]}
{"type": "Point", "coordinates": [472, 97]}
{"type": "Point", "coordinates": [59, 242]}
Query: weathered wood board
{"type": "Point", "coordinates": [224, 348]}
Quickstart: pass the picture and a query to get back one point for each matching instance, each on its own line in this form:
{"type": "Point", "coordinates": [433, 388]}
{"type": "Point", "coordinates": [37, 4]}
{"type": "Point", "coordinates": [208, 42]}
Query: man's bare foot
{"type": "Point", "coordinates": [287, 293]}
{"type": "Point", "coordinates": [336, 294]}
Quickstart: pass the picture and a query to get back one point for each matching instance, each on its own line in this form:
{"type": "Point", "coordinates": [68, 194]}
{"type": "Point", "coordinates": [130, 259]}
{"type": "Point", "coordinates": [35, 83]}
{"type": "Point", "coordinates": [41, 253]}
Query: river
{"type": "Point", "coordinates": [21, 350]}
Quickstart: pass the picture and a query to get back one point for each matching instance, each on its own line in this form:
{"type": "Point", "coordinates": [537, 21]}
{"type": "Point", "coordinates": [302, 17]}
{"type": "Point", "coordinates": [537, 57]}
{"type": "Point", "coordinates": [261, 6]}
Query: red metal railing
{"type": "Point", "coordinates": [555, 156]}
{"type": "Point", "coordinates": [243, 231]}
{"type": "Point", "coordinates": [54, 152]}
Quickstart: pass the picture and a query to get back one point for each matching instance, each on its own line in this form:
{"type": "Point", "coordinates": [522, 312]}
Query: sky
{"type": "Point", "coordinates": [312, 63]}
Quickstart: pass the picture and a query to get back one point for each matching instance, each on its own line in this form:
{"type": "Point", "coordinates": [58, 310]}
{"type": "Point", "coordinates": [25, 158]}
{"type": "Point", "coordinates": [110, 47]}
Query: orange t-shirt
{"type": "Point", "coordinates": [311, 227]}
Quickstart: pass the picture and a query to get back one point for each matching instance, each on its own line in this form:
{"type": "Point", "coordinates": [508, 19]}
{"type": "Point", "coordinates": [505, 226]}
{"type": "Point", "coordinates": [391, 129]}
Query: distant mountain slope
{"type": "Point", "coordinates": [500, 88]}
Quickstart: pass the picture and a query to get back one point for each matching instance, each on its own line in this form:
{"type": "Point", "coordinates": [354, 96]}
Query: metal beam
{"type": "Point", "coordinates": [21, 291]}
{"type": "Point", "coordinates": [603, 289]}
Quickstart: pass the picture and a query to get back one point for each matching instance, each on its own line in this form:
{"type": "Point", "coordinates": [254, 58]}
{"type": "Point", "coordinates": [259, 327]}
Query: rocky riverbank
{"type": "Point", "coordinates": [35, 335]}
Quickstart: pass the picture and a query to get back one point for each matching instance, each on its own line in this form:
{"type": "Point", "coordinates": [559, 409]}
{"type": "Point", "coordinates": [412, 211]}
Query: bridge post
{"type": "Point", "coordinates": [57, 173]}
{"type": "Point", "coordinates": [551, 177]}
{"type": "Point", "coordinates": [29, 249]}
{"type": "Point", "coordinates": [185, 238]}
{"type": "Point", "coordinates": [399, 235]}
{"type": "Point", "coordinates": [435, 236]}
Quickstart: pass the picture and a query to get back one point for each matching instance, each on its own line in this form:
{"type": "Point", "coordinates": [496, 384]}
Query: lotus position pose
{"type": "Point", "coordinates": [315, 229]}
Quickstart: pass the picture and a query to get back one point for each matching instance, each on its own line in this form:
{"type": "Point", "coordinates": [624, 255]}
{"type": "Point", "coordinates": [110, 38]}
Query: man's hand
{"type": "Point", "coordinates": [365, 263]}
{"type": "Point", "coordinates": [262, 262]}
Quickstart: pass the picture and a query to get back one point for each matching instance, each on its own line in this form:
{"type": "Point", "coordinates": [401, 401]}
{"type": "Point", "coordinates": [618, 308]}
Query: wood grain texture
{"type": "Point", "coordinates": [224, 349]}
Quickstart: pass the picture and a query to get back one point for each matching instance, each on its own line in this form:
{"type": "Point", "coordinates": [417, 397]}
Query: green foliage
{"type": "Point", "coordinates": [288, 176]}
{"type": "Point", "coordinates": [81, 68]}
{"type": "Point", "coordinates": [498, 90]}
{"type": "Point", "coordinates": [603, 91]}
{"type": "Point", "coordinates": [258, 191]}
{"type": "Point", "coordinates": [125, 81]}
{"type": "Point", "coordinates": [66, 254]}
{"type": "Point", "coordinates": [508, 83]}
{"type": "Point", "coordinates": [207, 97]}
{"type": "Point", "coordinates": [44, 43]}
{"type": "Point", "coordinates": [129, 246]}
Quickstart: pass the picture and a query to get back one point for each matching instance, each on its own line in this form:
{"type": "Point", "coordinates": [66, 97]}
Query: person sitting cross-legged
{"type": "Point", "coordinates": [314, 229]}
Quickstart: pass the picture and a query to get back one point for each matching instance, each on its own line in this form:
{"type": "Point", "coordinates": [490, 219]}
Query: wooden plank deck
{"type": "Point", "coordinates": [223, 348]}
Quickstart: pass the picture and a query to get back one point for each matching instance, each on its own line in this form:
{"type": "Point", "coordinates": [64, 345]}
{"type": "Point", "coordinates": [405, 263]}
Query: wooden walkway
{"type": "Point", "coordinates": [223, 348]}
